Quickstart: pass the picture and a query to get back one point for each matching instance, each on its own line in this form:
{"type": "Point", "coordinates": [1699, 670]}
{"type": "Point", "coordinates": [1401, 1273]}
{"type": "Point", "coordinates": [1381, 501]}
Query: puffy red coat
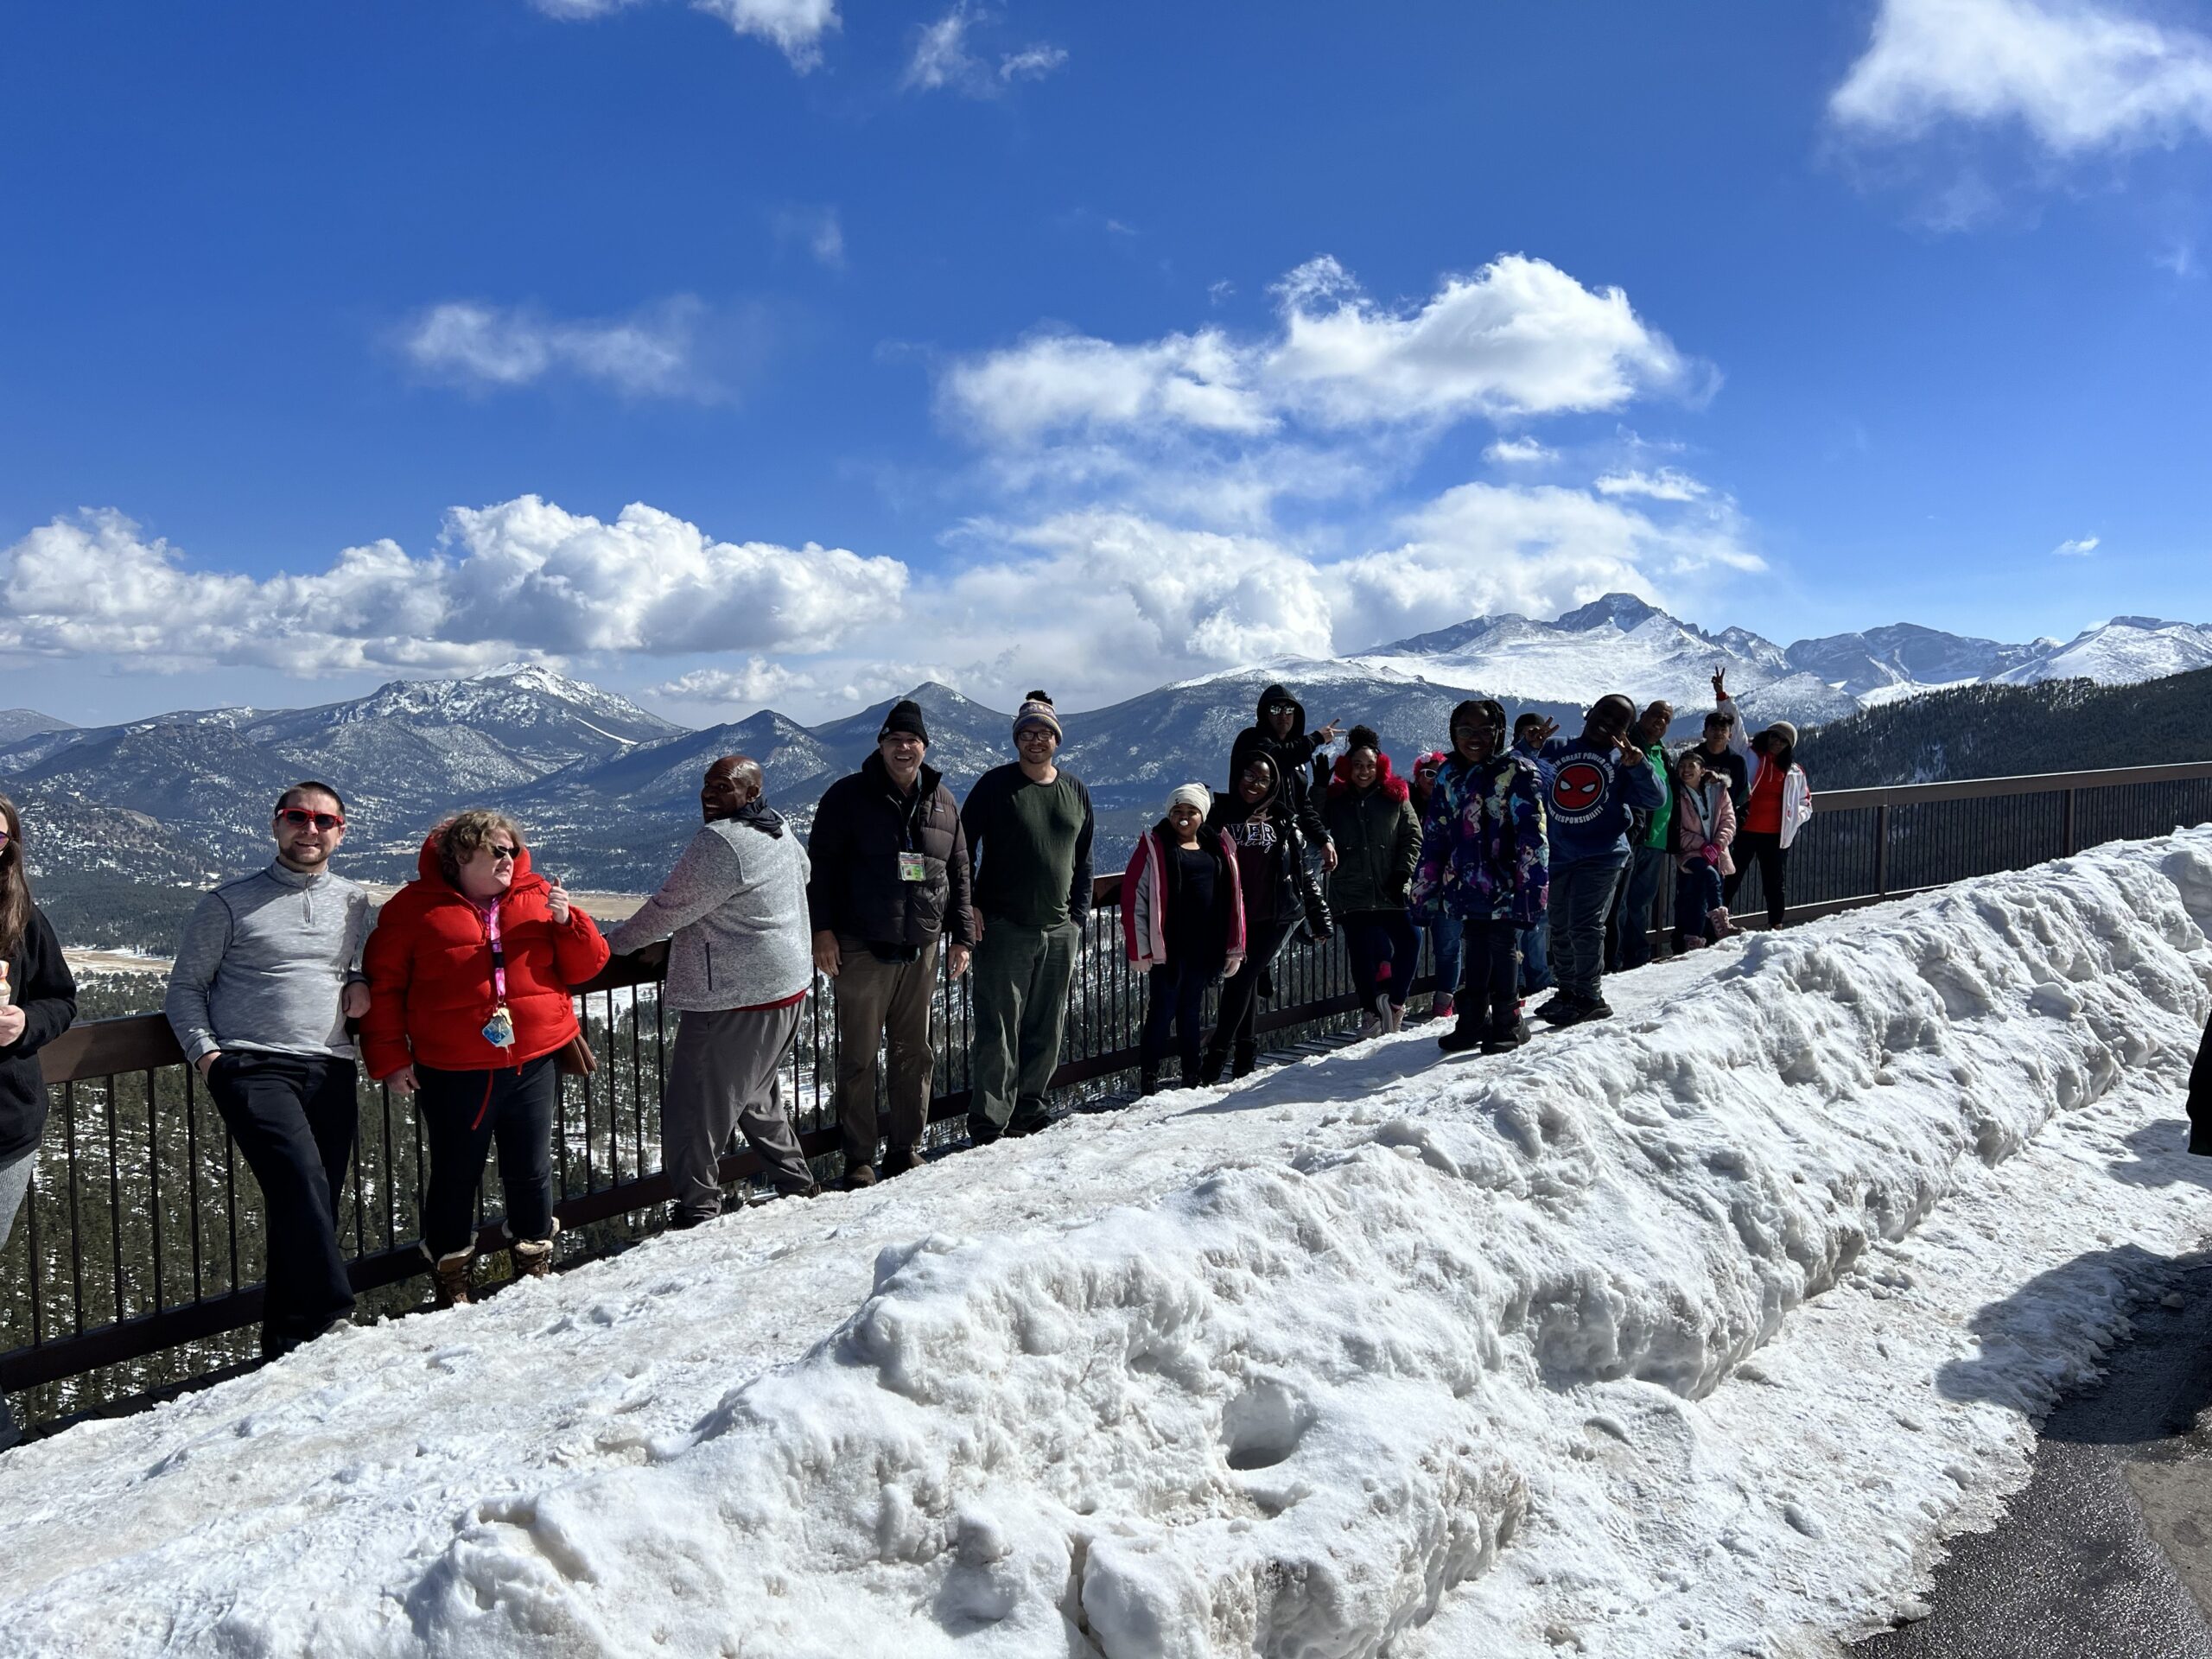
{"type": "Point", "coordinates": [429, 964]}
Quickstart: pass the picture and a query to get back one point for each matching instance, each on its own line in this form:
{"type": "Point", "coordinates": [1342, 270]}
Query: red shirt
{"type": "Point", "coordinates": [1762, 812]}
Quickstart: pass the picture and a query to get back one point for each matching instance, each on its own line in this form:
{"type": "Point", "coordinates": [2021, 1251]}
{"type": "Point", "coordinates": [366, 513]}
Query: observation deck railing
{"type": "Point", "coordinates": [135, 1266]}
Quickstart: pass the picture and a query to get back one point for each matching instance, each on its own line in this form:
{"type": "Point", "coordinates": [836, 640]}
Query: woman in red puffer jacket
{"type": "Point", "coordinates": [470, 971]}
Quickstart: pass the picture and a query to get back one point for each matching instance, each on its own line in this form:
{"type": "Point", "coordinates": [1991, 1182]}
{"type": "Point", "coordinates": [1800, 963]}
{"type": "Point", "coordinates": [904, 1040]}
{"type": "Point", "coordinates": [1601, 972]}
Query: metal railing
{"type": "Point", "coordinates": [136, 1263]}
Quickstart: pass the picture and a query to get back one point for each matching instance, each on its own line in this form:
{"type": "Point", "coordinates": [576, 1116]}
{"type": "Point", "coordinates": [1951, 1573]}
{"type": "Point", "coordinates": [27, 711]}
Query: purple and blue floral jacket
{"type": "Point", "coordinates": [1483, 845]}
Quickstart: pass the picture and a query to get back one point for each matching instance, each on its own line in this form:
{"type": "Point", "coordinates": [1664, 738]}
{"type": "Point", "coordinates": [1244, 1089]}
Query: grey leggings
{"type": "Point", "coordinates": [15, 1181]}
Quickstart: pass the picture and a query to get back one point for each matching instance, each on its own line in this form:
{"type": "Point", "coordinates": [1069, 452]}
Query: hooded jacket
{"type": "Point", "coordinates": [429, 968]}
{"type": "Point", "coordinates": [1694, 833]}
{"type": "Point", "coordinates": [39, 982]}
{"type": "Point", "coordinates": [1484, 856]}
{"type": "Point", "coordinates": [1290, 755]}
{"type": "Point", "coordinates": [2200, 1098]}
{"type": "Point", "coordinates": [1290, 895]}
{"type": "Point", "coordinates": [862, 826]}
{"type": "Point", "coordinates": [1377, 834]}
{"type": "Point", "coordinates": [1150, 892]}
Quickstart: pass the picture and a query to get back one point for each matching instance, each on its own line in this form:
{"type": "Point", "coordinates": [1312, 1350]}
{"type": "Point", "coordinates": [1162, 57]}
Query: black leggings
{"type": "Point", "coordinates": [462, 1114]}
{"type": "Point", "coordinates": [1175, 997]}
{"type": "Point", "coordinates": [1236, 1027]}
{"type": "Point", "coordinates": [1773, 859]}
{"type": "Point", "coordinates": [1489, 973]}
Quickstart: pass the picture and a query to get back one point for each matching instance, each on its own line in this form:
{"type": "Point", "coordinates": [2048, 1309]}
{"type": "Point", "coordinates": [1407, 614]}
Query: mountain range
{"type": "Point", "coordinates": [608, 790]}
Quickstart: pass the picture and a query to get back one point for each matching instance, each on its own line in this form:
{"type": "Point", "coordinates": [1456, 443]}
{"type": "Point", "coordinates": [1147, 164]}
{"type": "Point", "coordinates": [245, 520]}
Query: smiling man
{"type": "Point", "coordinates": [1599, 782]}
{"type": "Point", "coordinates": [266, 976]}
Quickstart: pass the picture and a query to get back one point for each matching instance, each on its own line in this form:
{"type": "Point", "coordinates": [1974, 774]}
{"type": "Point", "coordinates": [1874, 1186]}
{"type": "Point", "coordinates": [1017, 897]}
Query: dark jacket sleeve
{"type": "Point", "coordinates": [1079, 879]}
{"type": "Point", "coordinates": [2200, 1098]}
{"type": "Point", "coordinates": [44, 986]}
{"type": "Point", "coordinates": [1640, 789]}
{"type": "Point", "coordinates": [830, 863]}
{"type": "Point", "coordinates": [959, 916]}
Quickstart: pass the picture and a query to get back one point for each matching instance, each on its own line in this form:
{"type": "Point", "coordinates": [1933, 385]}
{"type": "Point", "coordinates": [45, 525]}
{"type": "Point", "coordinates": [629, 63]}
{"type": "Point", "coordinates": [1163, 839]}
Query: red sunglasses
{"type": "Point", "coordinates": [299, 818]}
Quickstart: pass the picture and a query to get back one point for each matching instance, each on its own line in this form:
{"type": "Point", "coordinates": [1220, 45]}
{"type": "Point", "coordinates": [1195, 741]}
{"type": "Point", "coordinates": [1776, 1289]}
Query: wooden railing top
{"type": "Point", "coordinates": [2031, 783]}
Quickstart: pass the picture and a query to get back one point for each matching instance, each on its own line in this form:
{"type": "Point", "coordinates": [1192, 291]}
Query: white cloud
{"type": "Point", "coordinates": [795, 27]}
{"type": "Point", "coordinates": [1520, 452]}
{"type": "Point", "coordinates": [524, 577]}
{"type": "Point", "coordinates": [759, 682]}
{"type": "Point", "coordinates": [653, 354]}
{"type": "Point", "coordinates": [1518, 337]}
{"type": "Point", "coordinates": [943, 60]}
{"type": "Point", "coordinates": [1667, 484]}
{"type": "Point", "coordinates": [819, 230]}
{"type": "Point", "coordinates": [2078, 76]}
{"type": "Point", "coordinates": [2078, 548]}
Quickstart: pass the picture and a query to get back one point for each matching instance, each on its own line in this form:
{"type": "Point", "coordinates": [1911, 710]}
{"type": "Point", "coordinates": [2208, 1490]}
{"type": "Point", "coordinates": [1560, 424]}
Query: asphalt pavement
{"type": "Point", "coordinates": [2106, 1554]}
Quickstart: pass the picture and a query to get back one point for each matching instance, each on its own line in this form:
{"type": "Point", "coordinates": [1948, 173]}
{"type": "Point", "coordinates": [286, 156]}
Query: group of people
{"type": "Point", "coordinates": [1508, 852]}
{"type": "Point", "coordinates": [1530, 861]}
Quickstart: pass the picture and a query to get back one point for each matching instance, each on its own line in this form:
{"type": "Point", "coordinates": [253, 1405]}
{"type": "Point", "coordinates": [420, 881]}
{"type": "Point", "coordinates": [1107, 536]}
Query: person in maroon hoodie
{"type": "Point", "coordinates": [470, 971]}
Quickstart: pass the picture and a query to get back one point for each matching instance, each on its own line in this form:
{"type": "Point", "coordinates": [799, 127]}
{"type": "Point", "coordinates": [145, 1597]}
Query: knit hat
{"type": "Point", "coordinates": [906, 715]}
{"type": "Point", "coordinates": [1037, 710]}
{"type": "Point", "coordinates": [1785, 731]}
{"type": "Point", "coordinates": [1196, 795]}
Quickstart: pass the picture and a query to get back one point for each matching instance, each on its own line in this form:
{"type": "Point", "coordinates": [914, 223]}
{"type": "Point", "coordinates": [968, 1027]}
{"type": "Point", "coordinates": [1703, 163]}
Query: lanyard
{"type": "Point", "coordinates": [499, 954]}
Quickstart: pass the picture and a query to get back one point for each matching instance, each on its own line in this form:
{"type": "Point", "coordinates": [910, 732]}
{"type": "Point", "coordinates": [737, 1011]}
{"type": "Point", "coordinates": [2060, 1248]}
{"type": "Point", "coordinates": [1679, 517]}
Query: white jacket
{"type": "Point", "coordinates": [1796, 793]}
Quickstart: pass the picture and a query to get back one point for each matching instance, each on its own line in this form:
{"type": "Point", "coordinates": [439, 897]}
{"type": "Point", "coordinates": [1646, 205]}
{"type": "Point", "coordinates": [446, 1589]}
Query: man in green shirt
{"type": "Point", "coordinates": [1650, 855]}
{"type": "Point", "coordinates": [1028, 828]}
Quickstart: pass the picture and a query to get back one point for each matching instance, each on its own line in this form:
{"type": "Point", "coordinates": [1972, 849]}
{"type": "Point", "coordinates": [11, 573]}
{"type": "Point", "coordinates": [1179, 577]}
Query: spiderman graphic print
{"type": "Point", "coordinates": [1591, 797]}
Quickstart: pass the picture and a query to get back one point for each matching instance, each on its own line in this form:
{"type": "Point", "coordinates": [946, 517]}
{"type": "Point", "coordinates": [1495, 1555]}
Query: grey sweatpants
{"type": "Point", "coordinates": [724, 1076]}
{"type": "Point", "coordinates": [1021, 1009]}
{"type": "Point", "coordinates": [15, 1181]}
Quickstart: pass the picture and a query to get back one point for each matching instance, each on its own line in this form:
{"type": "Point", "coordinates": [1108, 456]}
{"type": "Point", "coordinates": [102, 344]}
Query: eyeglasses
{"type": "Point", "coordinates": [300, 818]}
{"type": "Point", "coordinates": [4, 837]}
{"type": "Point", "coordinates": [1035, 734]}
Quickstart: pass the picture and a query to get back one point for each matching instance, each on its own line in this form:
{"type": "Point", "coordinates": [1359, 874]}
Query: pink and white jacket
{"type": "Point", "coordinates": [1692, 835]}
{"type": "Point", "coordinates": [1144, 903]}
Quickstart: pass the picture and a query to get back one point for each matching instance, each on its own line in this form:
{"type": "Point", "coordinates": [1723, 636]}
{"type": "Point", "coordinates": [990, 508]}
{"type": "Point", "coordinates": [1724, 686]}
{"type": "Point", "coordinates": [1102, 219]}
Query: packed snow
{"type": "Point", "coordinates": [1694, 1331]}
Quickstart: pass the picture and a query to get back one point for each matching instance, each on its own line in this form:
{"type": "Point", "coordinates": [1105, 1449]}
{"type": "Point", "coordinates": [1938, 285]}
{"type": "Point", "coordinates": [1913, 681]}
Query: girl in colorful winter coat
{"type": "Point", "coordinates": [1183, 924]}
{"type": "Point", "coordinates": [1369, 816]}
{"type": "Point", "coordinates": [470, 971]}
{"type": "Point", "coordinates": [1705, 827]}
{"type": "Point", "coordinates": [1443, 935]}
{"type": "Point", "coordinates": [1485, 864]}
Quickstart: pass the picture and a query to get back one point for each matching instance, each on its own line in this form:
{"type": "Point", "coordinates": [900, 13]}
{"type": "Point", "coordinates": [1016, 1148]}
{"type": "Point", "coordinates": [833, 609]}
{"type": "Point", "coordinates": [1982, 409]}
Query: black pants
{"type": "Point", "coordinates": [294, 1116]}
{"type": "Point", "coordinates": [1385, 955]}
{"type": "Point", "coordinates": [1773, 859]}
{"type": "Point", "coordinates": [1236, 1026]}
{"type": "Point", "coordinates": [1175, 996]}
{"type": "Point", "coordinates": [1490, 974]}
{"type": "Point", "coordinates": [463, 1113]}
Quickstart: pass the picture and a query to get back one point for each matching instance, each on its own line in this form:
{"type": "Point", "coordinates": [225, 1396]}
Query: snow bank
{"type": "Point", "coordinates": [1286, 1369]}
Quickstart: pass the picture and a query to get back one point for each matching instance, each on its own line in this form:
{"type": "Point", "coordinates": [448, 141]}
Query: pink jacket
{"type": "Point", "coordinates": [1691, 834]}
{"type": "Point", "coordinates": [1144, 904]}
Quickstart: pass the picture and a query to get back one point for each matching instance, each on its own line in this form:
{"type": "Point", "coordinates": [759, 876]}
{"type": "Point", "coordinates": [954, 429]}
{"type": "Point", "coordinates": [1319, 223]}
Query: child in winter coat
{"type": "Point", "coordinates": [1370, 818]}
{"type": "Point", "coordinates": [1705, 828]}
{"type": "Point", "coordinates": [1183, 924]}
{"type": "Point", "coordinates": [1485, 863]}
{"type": "Point", "coordinates": [1443, 934]}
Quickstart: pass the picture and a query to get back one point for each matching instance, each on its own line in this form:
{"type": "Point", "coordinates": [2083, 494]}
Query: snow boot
{"type": "Point", "coordinates": [1722, 927]}
{"type": "Point", "coordinates": [1148, 1084]}
{"type": "Point", "coordinates": [1247, 1060]}
{"type": "Point", "coordinates": [1212, 1067]}
{"type": "Point", "coordinates": [1560, 1009]}
{"type": "Point", "coordinates": [451, 1275]}
{"type": "Point", "coordinates": [900, 1159]}
{"type": "Point", "coordinates": [1503, 1040]}
{"type": "Point", "coordinates": [1371, 1027]}
{"type": "Point", "coordinates": [1464, 1037]}
{"type": "Point", "coordinates": [1440, 1006]}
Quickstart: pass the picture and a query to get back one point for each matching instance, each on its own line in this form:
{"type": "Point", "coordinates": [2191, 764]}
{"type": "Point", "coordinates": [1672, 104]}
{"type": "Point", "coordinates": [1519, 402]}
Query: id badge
{"type": "Point", "coordinates": [499, 1029]}
{"type": "Point", "coordinates": [913, 867]}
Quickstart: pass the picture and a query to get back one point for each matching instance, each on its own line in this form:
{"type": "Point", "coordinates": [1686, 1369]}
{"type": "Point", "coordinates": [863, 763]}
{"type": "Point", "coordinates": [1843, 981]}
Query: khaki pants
{"type": "Point", "coordinates": [883, 1004]}
{"type": "Point", "coordinates": [726, 1075]}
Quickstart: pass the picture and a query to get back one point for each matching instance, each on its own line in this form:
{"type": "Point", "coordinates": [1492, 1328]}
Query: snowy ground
{"type": "Point", "coordinates": [1694, 1332]}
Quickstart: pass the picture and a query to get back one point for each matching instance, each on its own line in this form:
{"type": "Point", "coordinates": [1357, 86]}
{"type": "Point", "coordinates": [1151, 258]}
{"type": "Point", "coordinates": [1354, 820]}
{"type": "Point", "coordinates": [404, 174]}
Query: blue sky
{"type": "Point", "coordinates": [784, 351]}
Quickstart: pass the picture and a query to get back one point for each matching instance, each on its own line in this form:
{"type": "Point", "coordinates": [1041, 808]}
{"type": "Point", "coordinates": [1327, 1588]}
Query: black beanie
{"type": "Point", "coordinates": [906, 715]}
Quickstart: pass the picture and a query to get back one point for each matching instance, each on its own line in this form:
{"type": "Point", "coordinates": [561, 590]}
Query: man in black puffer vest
{"type": "Point", "coordinates": [890, 879]}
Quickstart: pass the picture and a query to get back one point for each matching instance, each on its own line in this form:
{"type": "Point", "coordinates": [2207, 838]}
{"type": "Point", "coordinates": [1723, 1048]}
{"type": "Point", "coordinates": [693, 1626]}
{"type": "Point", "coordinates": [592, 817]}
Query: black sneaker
{"type": "Point", "coordinates": [1026, 1124]}
{"type": "Point", "coordinates": [1503, 1040]}
{"type": "Point", "coordinates": [1597, 1008]}
{"type": "Point", "coordinates": [1561, 1010]}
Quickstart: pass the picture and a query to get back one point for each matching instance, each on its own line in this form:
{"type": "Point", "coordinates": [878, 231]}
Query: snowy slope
{"type": "Point", "coordinates": [1692, 1334]}
{"type": "Point", "coordinates": [2125, 651]}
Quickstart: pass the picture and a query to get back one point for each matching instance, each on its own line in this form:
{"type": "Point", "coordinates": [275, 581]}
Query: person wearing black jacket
{"type": "Point", "coordinates": [2200, 1098]}
{"type": "Point", "coordinates": [890, 879]}
{"type": "Point", "coordinates": [1279, 893]}
{"type": "Point", "coordinates": [1278, 731]}
{"type": "Point", "coordinates": [38, 1001]}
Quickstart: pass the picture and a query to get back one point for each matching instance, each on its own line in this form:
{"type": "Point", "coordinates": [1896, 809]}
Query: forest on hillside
{"type": "Point", "coordinates": [1997, 731]}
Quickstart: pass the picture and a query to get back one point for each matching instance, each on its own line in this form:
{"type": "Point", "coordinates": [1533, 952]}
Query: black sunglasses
{"type": "Point", "coordinates": [299, 818]}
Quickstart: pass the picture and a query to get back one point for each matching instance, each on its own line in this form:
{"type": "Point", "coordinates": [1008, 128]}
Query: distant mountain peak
{"type": "Point", "coordinates": [1623, 611]}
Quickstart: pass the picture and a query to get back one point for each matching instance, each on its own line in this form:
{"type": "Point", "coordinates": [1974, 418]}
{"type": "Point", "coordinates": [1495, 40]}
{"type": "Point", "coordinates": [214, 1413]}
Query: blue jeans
{"type": "Point", "coordinates": [1444, 950]}
{"type": "Point", "coordinates": [1582, 893]}
{"type": "Point", "coordinates": [1536, 957]}
{"type": "Point", "coordinates": [1646, 868]}
{"type": "Point", "coordinates": [1697, 895]}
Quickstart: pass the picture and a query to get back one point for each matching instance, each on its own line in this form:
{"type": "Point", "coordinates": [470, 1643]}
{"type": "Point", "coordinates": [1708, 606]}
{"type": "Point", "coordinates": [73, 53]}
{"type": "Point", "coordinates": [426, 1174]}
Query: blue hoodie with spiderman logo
{"type": "Point", "coordinates": [1590, 797]}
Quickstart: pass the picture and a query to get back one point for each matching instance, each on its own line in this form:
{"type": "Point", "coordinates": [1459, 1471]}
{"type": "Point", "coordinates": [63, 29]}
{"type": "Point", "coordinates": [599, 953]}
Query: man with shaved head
{"type": "Point", "coordinates": [740, 963]}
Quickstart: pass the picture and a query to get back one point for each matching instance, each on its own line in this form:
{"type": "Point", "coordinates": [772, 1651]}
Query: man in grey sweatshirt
{"type": "Point", "coordinates": [267, 975]}
{"type": "Point", "coordinates": [740, 963]}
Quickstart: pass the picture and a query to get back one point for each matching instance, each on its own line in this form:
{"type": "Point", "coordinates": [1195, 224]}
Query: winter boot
{"type": "Point", "coordinates": [450, 1276]}
{"type": "Point", "coordinates": [1212, 1067]}
{"type": "Point", "coordinates": [1247, 1060]}
{"type": "Point", "coordinates": [1722, 927]}
{"type": "Point", "coordinates": [1693, 941]}
{"type": "Point", "coordinates": [1561, 1010]}
{"type": "Point", "coordinates": [1373, 1026]}
{"type": "Point", "coordinates": [1395, 1020]}
{"type": "Point", "coordinates": [1440, 1006]}
{"type": "Point", "coordinates": [1148, 1082]}
{"type": "Point", "coordinates": [900, 1159]}
{"type": "Point", "coordinates": [1465, 1035]}
{"type": "Point", "coordinates": [1503, 1040]}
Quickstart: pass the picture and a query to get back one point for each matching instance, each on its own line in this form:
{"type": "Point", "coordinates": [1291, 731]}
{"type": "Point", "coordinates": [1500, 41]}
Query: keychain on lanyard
{"type": "Point", "coordinates": [499, 1029]}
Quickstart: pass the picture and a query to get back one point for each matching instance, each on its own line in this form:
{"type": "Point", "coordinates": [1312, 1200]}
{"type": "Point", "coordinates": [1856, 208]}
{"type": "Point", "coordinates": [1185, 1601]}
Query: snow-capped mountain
{"type": "Point", "coordinates": [2125, 651]}
{"type": "Point", "coordinates": [1905, 657]}
{"type": "Point", "coordinates": [15, 724]}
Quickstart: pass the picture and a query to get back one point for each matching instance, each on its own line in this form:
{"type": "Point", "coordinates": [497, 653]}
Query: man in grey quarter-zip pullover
{"type": "Point", "coordinates": [267, 974]}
